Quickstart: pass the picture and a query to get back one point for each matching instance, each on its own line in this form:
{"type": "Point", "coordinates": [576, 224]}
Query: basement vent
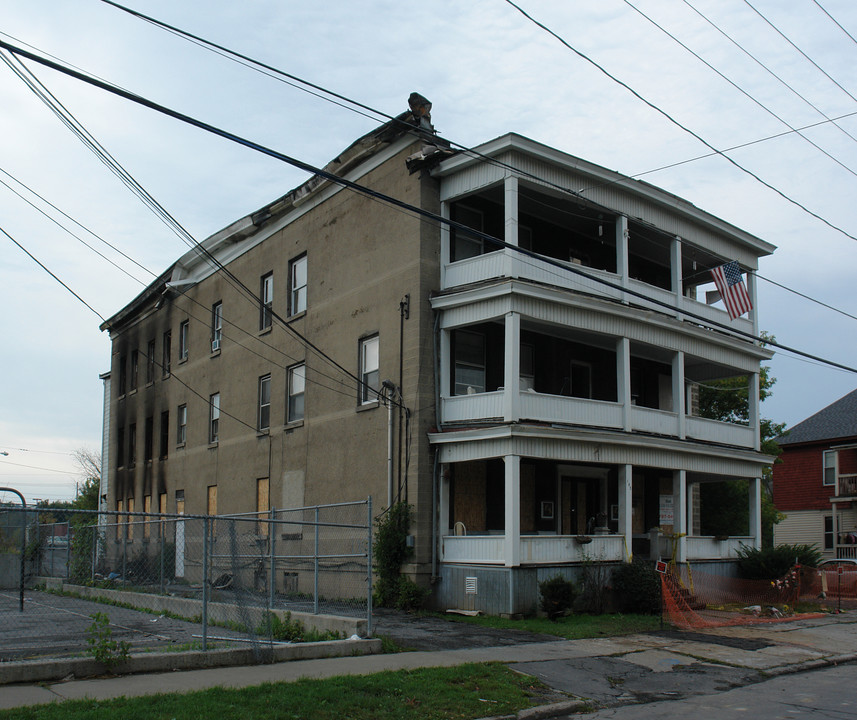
{"type": "Point", "coordinates": [470, 586]}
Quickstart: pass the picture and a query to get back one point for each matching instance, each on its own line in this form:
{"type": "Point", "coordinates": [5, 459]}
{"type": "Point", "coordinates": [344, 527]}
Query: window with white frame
{"type": "Point", "coordinates": [181, 425]}
{"type": "Point", "coordinates": [297, 285]}
{"type": "Point", "coordinates": [828, 532]}
{"type": "Point", "coordinates": [528, 371]}
{"type": "Point", "coordinates": [184, 328]}
{"type": "Point", "coordinates": [214, 418]}
{"type": "Point", "coordinates": [469, 362]}
{"type": "Point", "coordinates": [264, 420]}
{"type": "Point", "coordinates": [829, 477]}
{"type": "Point", "coordinates": [370, 375]}
{"type": "Point", "coordinates": [266, 298]}
{"type": "Point", "coordinates": [216, 326]}
{"type": "Point", "coordinates": [297, 387]}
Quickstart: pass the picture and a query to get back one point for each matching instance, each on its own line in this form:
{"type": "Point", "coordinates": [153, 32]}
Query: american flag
{"type": "Point", "coordinates": [730, 285]}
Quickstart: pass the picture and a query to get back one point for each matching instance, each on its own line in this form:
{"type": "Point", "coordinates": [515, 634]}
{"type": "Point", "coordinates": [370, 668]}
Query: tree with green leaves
{"type": "Point", "coordinates": [726, 503]}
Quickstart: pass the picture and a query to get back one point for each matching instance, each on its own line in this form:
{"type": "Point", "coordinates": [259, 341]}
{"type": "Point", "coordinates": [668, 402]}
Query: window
{"type": "Point", "coordinates": [181, 425]}
{"type": "Point", "coordinates": [263, 489]}
{"type": "Point", "coordinates": [469, 363]}
{"type": "Point", "coordinates": [465, 245]}
{"type": "Point", "coordinates": [580, 380]}
{"type": "Point", "coordinates": [163, 447]}
{"type": "Point", "coordinates": [266, 297]}
{"type": "Point", "coordinates": [527, 372]}
{"type": "Point", "coordinates": [297, 385]}
{"type": "Point", "coordinates": [829, 467]}
{"type": "Point", "coordinates": [120, 448]}
{"type": "Point", "coordinates": [214, 418]}
{"type": "Point", "coordinates": [211, 505]}
{"type": "Point", "coordinates": [828, 532]}
{"type": "Point", "coordinates": [264, 418]}
{"type": "Point", "coordinates": [129, 504]}
{"type": "Point", "coordinates": [123, 374]}
{"type": "Point", "coordinates": [369, 374]}
{"type": "Point", "coordinates": [297, 285]}
{"type": "Point", "coordinates": [120, 519]}
{"type": "Point", "coordinates": [183, 340]}
{"type": "Point", "coordinates": [150, 362]}
{"type": "Point", "coordinates": [167, 352]}
{"type": "Point", "coordinates": [216, 325]}
{"type": "Point", "coordinates": [148, 439]}
{"type": "Point", "coordinates": [132, 444]}
{"type": "Point", "coordinates": [147, 508]}
{"type": "Point", "coordinates": [135, 366]}
{"type": "Point", "coordinates": [162, 508]}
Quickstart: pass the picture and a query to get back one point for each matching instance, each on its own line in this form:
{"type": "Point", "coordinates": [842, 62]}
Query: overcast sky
{"type": "Point", "coordinates": [488, 70]}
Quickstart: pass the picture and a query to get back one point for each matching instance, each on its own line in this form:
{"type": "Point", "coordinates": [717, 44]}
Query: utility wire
{"type": "Point", "coordinates": [807, 297]}
{"type": "Point", "coordinates": [675, 122]}
{"type": "Point", "coordinates": [769, 71]}
{"type": "Point", "coordinates": [108, 160]}
{"type": "Point", "coordinates": [835, 22]}
{"type": "Point", "coordinates": [62, 227]}
{"type": "Point", "coordinates": [789, 41]}
{"type": "Point", "coordinates": [44, 267]}
{"type": "Point", "coordinates": [349, 184]}
{"type": "Point", "coordinates": [739, 88]}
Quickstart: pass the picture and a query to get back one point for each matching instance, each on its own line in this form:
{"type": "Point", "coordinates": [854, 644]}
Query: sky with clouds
{"type": "Point", "coordinates": [488, 70]}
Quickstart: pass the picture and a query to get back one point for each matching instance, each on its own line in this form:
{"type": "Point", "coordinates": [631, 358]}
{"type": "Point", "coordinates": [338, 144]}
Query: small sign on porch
{"type": "Point", "coordinates": [667, 510]}
{"type": "Point", "coordinates": [661, 567]}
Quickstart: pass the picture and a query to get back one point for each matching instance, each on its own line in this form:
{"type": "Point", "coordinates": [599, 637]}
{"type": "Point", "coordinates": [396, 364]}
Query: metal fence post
{"type": "Point", "coordinates": [272, 539]}
{"type": "Point", "coordinates": [124, 556]}
{"type": "Point", "coordinates": [163, 552]}
{"type": "Point", "coordinates": [369, 566]}
{"type": "Point", "coordinates": [205, 551]}
{"type": "Point", "coordinates": [315, 573]}
{"type": "Point", "coordinates": [94, 536]}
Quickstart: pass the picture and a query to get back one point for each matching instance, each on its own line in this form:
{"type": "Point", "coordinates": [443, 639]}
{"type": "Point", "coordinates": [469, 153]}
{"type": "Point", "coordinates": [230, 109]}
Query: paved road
{"type": "Point", "coordinates": [828, 693]}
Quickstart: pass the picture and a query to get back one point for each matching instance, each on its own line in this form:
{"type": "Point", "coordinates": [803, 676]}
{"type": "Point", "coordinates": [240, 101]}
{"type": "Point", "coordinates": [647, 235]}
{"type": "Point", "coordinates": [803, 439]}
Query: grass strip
{"type": "Point", "coordinates": [459, 693]}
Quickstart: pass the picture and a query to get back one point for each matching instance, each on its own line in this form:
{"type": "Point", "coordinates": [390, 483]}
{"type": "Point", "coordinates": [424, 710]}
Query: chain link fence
{"type": "Point", "coordinates": [257, 578]}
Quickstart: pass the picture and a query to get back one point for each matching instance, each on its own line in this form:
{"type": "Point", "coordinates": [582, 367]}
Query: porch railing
{"type": "Point", "coordinates": [847, 486]}
{"type": "Point", "coordinates": [534, 549]}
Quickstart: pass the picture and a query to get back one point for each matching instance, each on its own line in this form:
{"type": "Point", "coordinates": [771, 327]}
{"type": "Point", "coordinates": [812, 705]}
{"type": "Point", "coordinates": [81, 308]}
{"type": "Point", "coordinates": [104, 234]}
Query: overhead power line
{"type": "Point", "coordinates": [739, 88]}
{"type": "Point", "coordinates": [835, 22]}
{"type": "Point", "coordinates": [395, 202]}
{"type": "Point", "coordinates": [679, 125]}
{"type": "Point", "coordinates": [807, 57]}
{"type": "Point", "coordinates": [49, 272]}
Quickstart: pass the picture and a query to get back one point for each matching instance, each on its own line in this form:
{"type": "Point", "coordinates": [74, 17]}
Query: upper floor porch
{"type": "Point", "coordinates": [587, 229]}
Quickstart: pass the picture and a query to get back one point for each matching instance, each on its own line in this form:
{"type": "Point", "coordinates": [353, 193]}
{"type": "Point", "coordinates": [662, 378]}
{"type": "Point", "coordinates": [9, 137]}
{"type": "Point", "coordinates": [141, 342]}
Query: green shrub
{"type": "Point", "coordinates": [390, 552]}
{"type": "Point", "coordinates": [593, 588]}
{"type": "Point", "coordinates": [102, 646]}
{"type": "Point", "coordinates": [638, 587]}
{"type": "Point", "coordinates": [772, 563]}
{"type": "Point", "coordinates": [557, 596]}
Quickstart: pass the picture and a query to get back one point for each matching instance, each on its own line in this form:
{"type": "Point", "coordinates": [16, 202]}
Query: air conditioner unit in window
{"type": "Point", "coordinates": [215, 345]}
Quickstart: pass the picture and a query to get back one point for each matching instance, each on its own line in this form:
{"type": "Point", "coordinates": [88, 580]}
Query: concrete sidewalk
{"type": "Point", "coordinates": [672, 659]}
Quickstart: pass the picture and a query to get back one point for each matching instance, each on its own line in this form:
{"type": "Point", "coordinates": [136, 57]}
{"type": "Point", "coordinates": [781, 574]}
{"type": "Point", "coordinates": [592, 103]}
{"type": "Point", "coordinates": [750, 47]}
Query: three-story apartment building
{"type": "Point", "coordinates": [538, 356]}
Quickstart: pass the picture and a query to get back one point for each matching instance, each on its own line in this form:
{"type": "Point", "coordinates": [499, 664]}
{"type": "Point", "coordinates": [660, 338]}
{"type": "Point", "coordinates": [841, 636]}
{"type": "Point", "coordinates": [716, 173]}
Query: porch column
{"type": "Point", "coordinates": [751, 290]}
{"type": "Point", "coordinates": [444, 243]}
{"type": "Point", "coordinates": [675, 272]}
{"type": "Point", "coordinates": [680, 510]}
{"type": "Point", "coordinates": [510, 221]}
{"type": "Point", "coordinates": [756, 511]}
{"type": "Point", "coordinates": [622, 252]}
{"type": "Point", "coordinates": [443, 503]}
{"type": "Point", "coordinates": [678, 394]}
{"type": "Point", "coordinates": [512, 540]}
{"type": "Point", "coordinates": [512, 369]}
{"type": "Point", "coordinates": [753, 407]}
{"type": "Point", "coordinates": [623, 380]}
{"type": "Point", "coordinates": [692, 491]}
{"type": "Point", "coordinates": [445, 367]}
{"type": "Point", "coordinates": [626, 507]}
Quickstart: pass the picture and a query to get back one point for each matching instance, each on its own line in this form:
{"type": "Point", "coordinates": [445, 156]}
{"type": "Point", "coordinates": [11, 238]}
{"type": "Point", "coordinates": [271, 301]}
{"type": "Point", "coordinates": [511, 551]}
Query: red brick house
{"type": "Point", "coordinates": [815, 486]}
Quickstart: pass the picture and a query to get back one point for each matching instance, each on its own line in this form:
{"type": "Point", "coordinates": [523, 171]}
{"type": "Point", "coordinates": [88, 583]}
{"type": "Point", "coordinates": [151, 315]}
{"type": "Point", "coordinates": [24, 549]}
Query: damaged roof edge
{"type": "Point", "coordinates": [151, 294]}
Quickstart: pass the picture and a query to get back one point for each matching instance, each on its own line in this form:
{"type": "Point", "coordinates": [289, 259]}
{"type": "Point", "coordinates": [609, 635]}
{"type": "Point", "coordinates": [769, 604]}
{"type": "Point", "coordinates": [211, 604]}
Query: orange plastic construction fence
{"type": "Point", "coordinates": [694, 599]}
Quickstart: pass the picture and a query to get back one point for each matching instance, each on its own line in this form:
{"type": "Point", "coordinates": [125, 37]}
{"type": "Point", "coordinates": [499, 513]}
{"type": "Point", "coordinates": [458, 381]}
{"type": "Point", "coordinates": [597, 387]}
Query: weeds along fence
{"type": "Point", "coordinates": [240, 573]}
